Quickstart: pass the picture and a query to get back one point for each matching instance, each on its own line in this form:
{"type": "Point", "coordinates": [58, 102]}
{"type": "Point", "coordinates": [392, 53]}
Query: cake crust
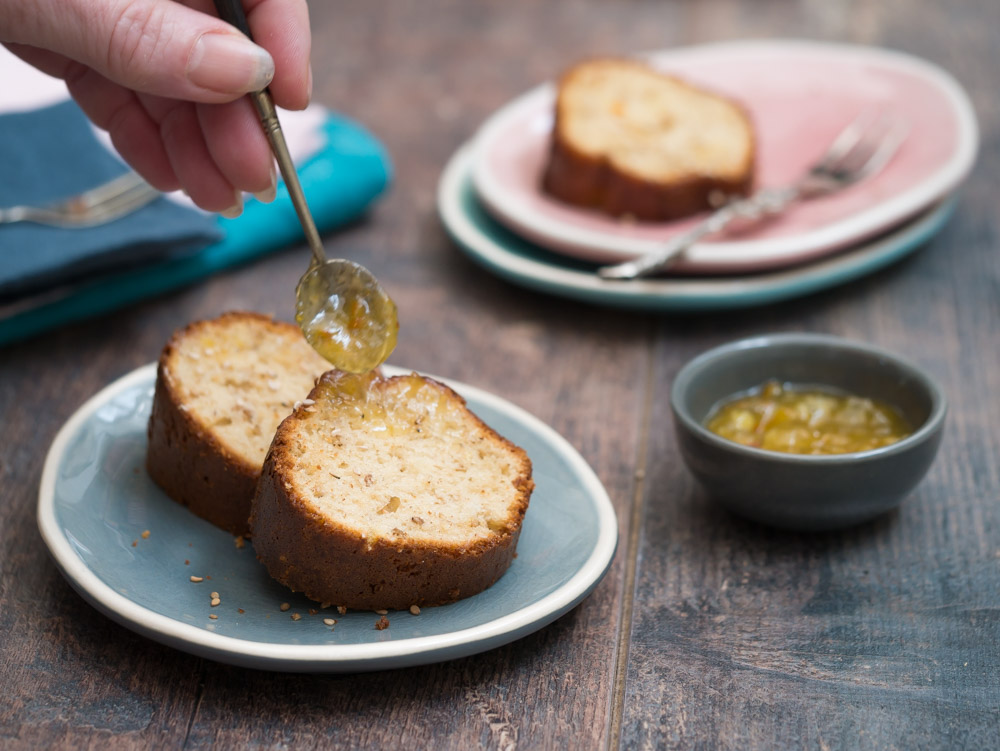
{"type": "Point", "coordinates": [337, 563]}
{"type": "Point", "coordinates": [192, 466]}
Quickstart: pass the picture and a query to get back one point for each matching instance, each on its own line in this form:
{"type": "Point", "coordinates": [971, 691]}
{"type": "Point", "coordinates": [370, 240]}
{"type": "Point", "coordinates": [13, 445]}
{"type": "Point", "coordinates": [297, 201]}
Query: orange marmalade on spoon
{"type": "Point", "coordinates": [346, 315]}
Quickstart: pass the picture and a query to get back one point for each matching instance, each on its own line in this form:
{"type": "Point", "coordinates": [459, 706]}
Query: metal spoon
{"type": "Point", "coordinates": [340, 306]}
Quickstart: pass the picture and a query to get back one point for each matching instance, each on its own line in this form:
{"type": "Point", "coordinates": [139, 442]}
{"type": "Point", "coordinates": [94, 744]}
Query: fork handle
{"type": "Point", "coordinates": [767, 202]}
{"type": "Point", "coordinates": [13, 214]}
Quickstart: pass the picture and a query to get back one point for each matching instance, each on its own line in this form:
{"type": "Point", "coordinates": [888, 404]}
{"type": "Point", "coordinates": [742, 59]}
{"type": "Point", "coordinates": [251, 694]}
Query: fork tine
{"type": "Point", "coordinates": [887, 147]}
{"type": "Point", "coordinates": [110, 190]}
{"type": "Point", "coordinates": [846, 140]}
{"type": "Point", "coordinates": [139, 191]}
{"type": "Point", "coordinates": [117, 206]}
{"type": "Point", "coordinates": [867, 143]}
{"type": "Point", "coordinates": [862, 148]}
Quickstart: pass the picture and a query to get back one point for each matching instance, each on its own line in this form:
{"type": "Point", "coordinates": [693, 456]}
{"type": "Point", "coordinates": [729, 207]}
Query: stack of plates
{"type": "Point", "coordinates": [800, 95]}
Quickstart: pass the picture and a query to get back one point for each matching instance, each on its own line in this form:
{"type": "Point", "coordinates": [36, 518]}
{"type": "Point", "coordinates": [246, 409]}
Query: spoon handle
{"type": "Point", "coordinates": [232, 12]}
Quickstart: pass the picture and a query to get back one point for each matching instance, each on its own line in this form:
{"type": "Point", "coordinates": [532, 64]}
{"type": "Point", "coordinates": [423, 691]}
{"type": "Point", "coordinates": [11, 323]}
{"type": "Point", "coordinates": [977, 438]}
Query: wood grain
{"type": "Point", "coordinates": [708, 632]}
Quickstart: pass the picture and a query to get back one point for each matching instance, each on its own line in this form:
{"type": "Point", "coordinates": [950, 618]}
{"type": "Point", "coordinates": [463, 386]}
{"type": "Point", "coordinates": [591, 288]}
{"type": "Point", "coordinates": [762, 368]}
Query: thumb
{"type": "Point", "coordinates": [154, 46]}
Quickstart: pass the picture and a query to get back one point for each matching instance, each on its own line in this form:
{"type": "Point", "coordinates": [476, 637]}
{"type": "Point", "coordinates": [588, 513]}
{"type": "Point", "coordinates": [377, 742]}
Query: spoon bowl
{"type": "Point", "coordinates": [346, 315]}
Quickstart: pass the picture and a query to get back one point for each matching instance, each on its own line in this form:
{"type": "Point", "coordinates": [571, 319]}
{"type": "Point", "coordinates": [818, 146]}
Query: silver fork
{"type": "Point", "coordinates": [860, 150]}
{"type": "Point", "coordinates": [99, 205]}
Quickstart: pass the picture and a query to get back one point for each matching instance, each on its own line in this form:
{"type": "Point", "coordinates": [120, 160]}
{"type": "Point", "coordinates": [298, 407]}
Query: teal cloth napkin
{"type": "Point", "coordinates": [340, 182]}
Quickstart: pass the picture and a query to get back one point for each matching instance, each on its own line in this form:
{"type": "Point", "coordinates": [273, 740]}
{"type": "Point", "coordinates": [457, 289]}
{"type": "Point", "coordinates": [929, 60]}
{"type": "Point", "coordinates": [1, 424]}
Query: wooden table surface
{"type": "Point", "coordinates": [708, 632]}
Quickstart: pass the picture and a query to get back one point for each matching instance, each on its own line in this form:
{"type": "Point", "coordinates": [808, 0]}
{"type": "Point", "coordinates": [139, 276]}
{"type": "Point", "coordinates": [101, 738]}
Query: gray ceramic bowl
{"type": "Point", "coordinates": [803, 491]}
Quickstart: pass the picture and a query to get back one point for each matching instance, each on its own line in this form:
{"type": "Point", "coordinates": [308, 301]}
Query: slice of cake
{"type": "Point", "coordinates": [633, 142]}
{"type": "Point", "coordinates": [387, 493]}
{"type": "Point", "coordinates": [222, 387]}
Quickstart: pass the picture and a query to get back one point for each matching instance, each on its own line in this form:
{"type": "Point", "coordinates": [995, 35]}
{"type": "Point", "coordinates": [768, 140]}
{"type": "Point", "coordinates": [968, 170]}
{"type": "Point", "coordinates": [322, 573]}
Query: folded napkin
{"type": "Point", "coordinates": [51, 154]}
{"type": "Point", "coordinates": [51, 276]}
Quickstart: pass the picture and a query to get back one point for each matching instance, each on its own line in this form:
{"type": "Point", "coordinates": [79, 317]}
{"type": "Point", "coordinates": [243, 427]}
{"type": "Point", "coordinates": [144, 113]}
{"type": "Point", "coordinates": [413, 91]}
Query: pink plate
{"type": "Point", "coordinates": [800, 95]}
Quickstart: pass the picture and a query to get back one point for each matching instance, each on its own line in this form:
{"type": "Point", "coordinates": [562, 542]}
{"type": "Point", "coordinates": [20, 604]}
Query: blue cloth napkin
{"type": "Point", "coordinates": [340, 182]}
{"type": "Point", "coordinates": [52, 154]}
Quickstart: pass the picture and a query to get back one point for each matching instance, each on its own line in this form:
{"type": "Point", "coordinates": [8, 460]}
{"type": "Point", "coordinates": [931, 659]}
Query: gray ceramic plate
{"type": "Point", "coordinates": [96, 501]}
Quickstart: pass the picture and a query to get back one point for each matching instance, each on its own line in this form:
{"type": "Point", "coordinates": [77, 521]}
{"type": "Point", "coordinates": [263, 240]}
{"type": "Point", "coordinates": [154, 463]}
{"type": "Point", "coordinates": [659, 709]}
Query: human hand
{"type": "Point", "coordinates": [167, 80]}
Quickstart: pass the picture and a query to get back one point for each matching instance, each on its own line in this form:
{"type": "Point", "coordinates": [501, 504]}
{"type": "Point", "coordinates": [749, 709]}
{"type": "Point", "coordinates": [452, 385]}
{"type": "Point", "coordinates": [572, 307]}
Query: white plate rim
{"type": "Point", "coordinates": [683, 294]}
{"type": "Point", "coordinates": [334, 657]}
{"type": "Point", "coordinates": [599, 246]}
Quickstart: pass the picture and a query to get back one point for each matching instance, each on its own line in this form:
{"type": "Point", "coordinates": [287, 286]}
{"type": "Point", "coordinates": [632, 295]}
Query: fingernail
{"type": "Point", "coordinates": [270, 192]}
{"type": "Point", "coordinates": [229, 63]}
{"type": "Point", "coordinates": [309, 84]}
{"type": "Point", "coordinates": [236, 209]}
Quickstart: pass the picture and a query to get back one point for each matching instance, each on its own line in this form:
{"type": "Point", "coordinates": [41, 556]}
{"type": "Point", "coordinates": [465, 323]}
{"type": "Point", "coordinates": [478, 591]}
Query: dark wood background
{"type": "Point", "coordinates": [708, 632]}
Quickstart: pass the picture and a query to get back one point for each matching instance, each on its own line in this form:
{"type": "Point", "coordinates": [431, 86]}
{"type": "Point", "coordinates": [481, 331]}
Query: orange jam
{"type": "Point", "coordinates": [783, 417]}
{"type": "Point", "coordinates": [346, 317]}
{"type": "Point", "coordinates": [393, 412]}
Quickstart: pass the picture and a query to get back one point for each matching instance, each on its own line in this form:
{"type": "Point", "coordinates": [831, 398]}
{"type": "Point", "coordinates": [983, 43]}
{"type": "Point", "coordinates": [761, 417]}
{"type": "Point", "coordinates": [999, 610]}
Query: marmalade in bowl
{"type": "Point", "coordinates": [807, 420]}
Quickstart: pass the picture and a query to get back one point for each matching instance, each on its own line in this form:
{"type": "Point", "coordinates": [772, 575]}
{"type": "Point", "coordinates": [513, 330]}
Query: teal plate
{"type": "Point", "coordinates": [96, 501]}
{"type": "Point", "coordinates": [517, 260]}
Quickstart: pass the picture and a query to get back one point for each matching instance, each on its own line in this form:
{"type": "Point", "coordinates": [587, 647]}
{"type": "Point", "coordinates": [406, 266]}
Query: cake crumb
{"type": "Point", "coordinates": [145, 534]}
{"type": "Point", "coordinates": [215, 602]}
{"type": "Point", "coordinates": [296, 617]}
{"type": "Point", "coordinates": [341, 609]}
{"type": "Point", "coordinates": [214, 595]}
{"type": "Point", "coordinates": [239, 542]}
{"type": "Point", "coordinates": [382, 611]}
{"type": "Point", "coordinates": [240, 610]}
{"type": "Point", "coordinates": [313, 611]}
{"type": "Point", "coordinates": [415, 609]}
{"type": "Point", "coordinates": [187, 562]}
{"type": "Point", "coordinates": [214, 617]}
{"type": "Point", "coordinates": [382, 624]}
{"type": "Point", "coordinates": [285, 606]}
{"type": "Point", "coordinates": [135, 543]}
{"type": "Point", "coordinates": [197, 579]}
{"type": "Point", "coordinates": [329, 621]}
